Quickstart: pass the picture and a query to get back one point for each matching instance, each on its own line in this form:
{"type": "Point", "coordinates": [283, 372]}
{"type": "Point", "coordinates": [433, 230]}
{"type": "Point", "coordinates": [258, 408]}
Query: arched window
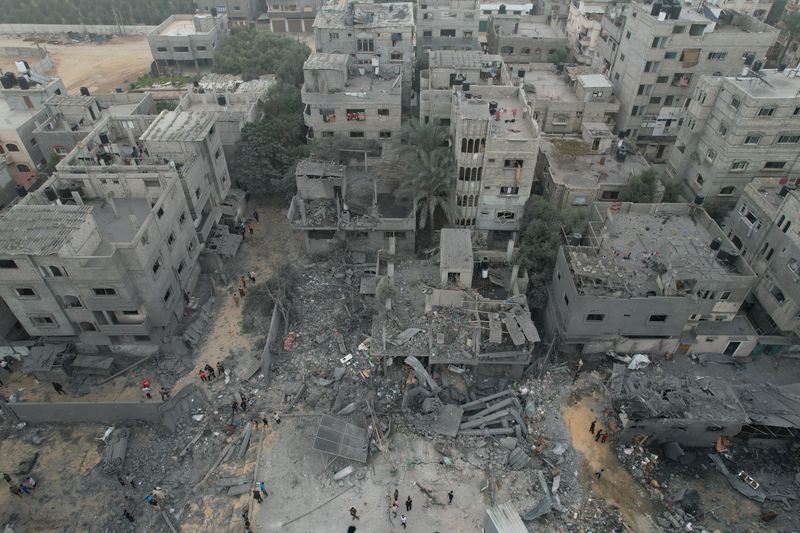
{"type": "Point", "coordinates": [781, 219]}
{"type": "Point", "coordinates": [470, 146]}
{"type": "Point", "coordinates": [23, 168]}
{"type": "Point", "coordinates": [507, 50]}
{"type": "Point", "coordinates": [474, 174]}
{"type": "Point", "coordinates": [461, 173]}
{"type": "Point", "coordinates": [787, 226]}
{"type": "Point", "coordinates": [480, 172]}
{"type": "Point", "coordinates": [463, 146]}
{"type": "Point", "coordinates": [11, 147]}
{"type": "Point", "coordinates": [526, 51]}
{"type": "Point", "coordinates": [737, 242]}
{"type": "Point", "coordinates": [458, 201]}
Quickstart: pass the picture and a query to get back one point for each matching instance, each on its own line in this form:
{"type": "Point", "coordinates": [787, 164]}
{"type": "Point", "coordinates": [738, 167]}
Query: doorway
{"type": "Point", "coordinates": [732, 347]}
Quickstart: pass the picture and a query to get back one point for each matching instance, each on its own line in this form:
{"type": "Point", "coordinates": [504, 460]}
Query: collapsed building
{"type": "Point", "coordinates": [337, 203]}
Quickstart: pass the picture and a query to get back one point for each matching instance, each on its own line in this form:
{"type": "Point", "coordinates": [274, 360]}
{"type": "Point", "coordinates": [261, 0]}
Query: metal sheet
{"type": "Point", "coordinates": [513, 329]}
{"type": "Point", "coordinates": [495, 329]}
{"type": "Point", "coordinates": [342, 439]}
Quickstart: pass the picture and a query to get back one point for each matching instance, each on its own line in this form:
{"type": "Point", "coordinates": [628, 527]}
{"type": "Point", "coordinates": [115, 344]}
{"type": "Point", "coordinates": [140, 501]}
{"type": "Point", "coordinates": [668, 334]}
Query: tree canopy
{"type": "Point", "coordinates": [540, 238]}
{"type": "Point", "coordinates": [250, 53]}
{"type": "Point", "coordinates": [152, 12]}
{"type": "Point", "coordinates": [641, 187]}
{"type": "Point", "coordinates": [791, 24]}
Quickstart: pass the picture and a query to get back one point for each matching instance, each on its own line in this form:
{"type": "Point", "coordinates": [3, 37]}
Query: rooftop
{"type": "Point", "coordinates": [463, 59]}
{"type": "Point", "coordinates": [509, 122]}
{"type": "Point", "coordinates": [41, 230]}
{"type": "Point", "coordinates": [182, 25]}
{"type": "Point", "coordinates": [323, 60]}
{"type": "Point", "coordinates": [116, 227]}
{"type": "Point", "coordinates": [572, 164]}
{"type": "Point", "coordinates": [548, 84]}
{"type": "Point", "coordinates": [392, 15]}
{"type": "Point", "coordinates": [310, 167]}
{"type": "Point", "coordinates": [770, 405]}
{"type": "Point", "coordinates": [527, 27]}
{"type": "Point", "coordinates": [652, 249]}
{"type": "Point", "coordinates": [179, 126]}
{"type": "Point", "coordinates": [768, 84]}
{"type": "Point", "coordinates": [456, 249]}
{"type": "Point", "coordinates": [739, 326]}
{"type": "Point", "coordinates": [767, 193]}
{"type": "Point", "coordinates": [594, 81]}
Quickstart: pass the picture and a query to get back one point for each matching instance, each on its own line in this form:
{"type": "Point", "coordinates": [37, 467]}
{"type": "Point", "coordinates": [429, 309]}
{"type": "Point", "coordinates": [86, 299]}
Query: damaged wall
{"type": "Point", "coordinates": [78, 412]}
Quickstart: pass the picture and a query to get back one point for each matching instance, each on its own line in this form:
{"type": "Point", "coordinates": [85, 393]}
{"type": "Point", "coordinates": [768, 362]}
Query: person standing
{"type": "Point", "coordinates": [603, 438]}
{"type": "Point", "coordinates": [202, 375]}
{"type": "Point", "coordinates": [255, 216]}
{"type": "Point", "coordinates": [450, 497]}
{"type": "Point", "coordinates": [146, 392]}
{"type": "Point", "coordinates": [393, 508]}
{"type": "Point", "coordinates": [396, 495]}
{"type": "Point", "coordinates": [241, 292]}
{"type": "Point", "coordinates": [250, 229]}
{"type": "Point", "coordinates": [58, 387]}
{"type": "Point", "coordinates": [598, 434]}
{"type": "Point", "coordinates": [591, 428]}
{"type": "Point", "coordinates": [24, 488]}
{"type": "Point", "coordinates": [403, 520]}
{"type": "Point", "coordinates": [354, 514]}
{"type": "Point", "coordinates": [244, 404]}
{"type": "Point", "coordinates": [252, 276]}
{"type": "Point", "coordinates": [276, 417]}
{"type": "Point", "coordinates": [243, 281]}
{"type": "Point", "coordinates": [164, 392]}
{"type": "Point", "coordinates": [7, 478]}
{"type": "Point", "coordinates": [257, 496]}
{"type": "Point", "coordinates": [599, 473]}
{"type": "Point", "coordinates": [408, 504]}
{"type": "Point", "coordinates": [31, 482]}
{"type": "Point", "coordinates": [220, 368]}
{"type": "Point", "coordinates": [209, 372]}
{"type": "Point", "coordinates": [128, 515]}
{"type": "Point", "coordinates": [263, 489]}
{"type": "Point", "coordinates": [234, 407]}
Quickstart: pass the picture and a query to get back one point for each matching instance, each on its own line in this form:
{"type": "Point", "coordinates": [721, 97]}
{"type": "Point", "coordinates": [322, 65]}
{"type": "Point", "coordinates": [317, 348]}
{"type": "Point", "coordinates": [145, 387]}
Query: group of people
{"type": "Point", "coordinates": [251, 277]}
{"type": "Point", "coordinates": [208, 374]}
{"type": "Point", "coordinates": [163, 391]}
{"type": "Point", "coordinates": [393, 509]}
{"type": "Point", "coordinates": [599, 435]}
{"type": "Point", "coordinates": [18, 489]}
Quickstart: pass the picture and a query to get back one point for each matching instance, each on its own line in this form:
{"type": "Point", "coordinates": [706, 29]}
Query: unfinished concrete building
{"type": "Point", "coordinates": [496, 143]}
{"type": "Point", "coordinates": [187, 41]}
{"type": "Point", "coordinates": [579, 170]}
{"type": "Point", "coordinates": [239, 12]}
{"type": "Point", "coordinates": [99, 261]}
{"type": "Point", "coordinates": [524, 38]}
{"type": "Point", "coordinates": [655, 54]}
{"type": "Point", "coordinates": [335, 204]}
{"type": "Point", "coordinates": [343, 99]}
{"type": "Point", "coordinates": [377, 37]}
{"type": "Point", "coordinates": [763, 229]}
{"type": "Point", "coordinates": [582, 28]}
{"type": "Point", "coordinates": [656, 408]}
{"type": "Point", "coordinates": [645, 274]}
{"type": "Point", "coordinates": [563, 102]}
{"type": "Point", "coordinates": [180, 144]}
{"type": "Point", "coordinates": [70, 118]}
{"type": "Point", "coordinates": [737, 128]}
{"type": "Point", "coordinates": [447, 25]}
{"type": "Point", "coordinates": [455, 70]}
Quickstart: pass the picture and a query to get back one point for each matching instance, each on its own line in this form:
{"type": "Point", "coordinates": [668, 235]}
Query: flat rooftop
{"type": "Point", "coordinates": [392, 15]}
{"type": "Point", "coordinates": [306, 167]}
{"type": "Point", "coordinates": [463, 59]}
{"type": "Point", "coordinates": [323, 60]}
{"type": "Point", "coordinates": [528, 28]}
{"type": "Point", "coordinates": [548, 84]}
{"type": "Point", "coordinates": [456, 249]}
{"type": "Point", "coordinates": [571, 163]}
{"type": "Point", "coordinates": [182, 26]}
{"type": "Point", "coordinates": [594, 81]}
{"type": "Point", "coordinates": [179, 126]}
{"type": "Point", "coordinates": [768, 190]}
{"type": "Point", "coordinates": [14, 118]}
{"type": "Point", "coordinates": [117, 227]}
{"type": "Point", "coordinates": [41, 230]}
{"type": "Point", "coordinates": [360, 90]}
{"type": "Point", "coordinates": [511, 125]}
{"type": "Point", "coordinates": [771, 84]}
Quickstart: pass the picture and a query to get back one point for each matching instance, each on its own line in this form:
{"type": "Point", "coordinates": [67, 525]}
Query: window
{"type": "Point", "coordinates": [160, 212]}
{"type": "Point", "coordinates": [777, 294]}
{"type": "Point", "coordinates": [717, 56]}
{"type": "Point", "coordinates": [25, 292]}
{"type": "Point", "coordinates": [652, 66]}
{"type": "Point", "coordinates": [766, 111]}
{"type": "Point", "coordinates": [201, 48]}
{"type": "Point", "coordinates": [659, 42]}
{"type": "Point", "coordinates": [643, 89]}
{"type": "Point", "coordinates": [181, 265]}
{"type": "Point", "coordinates": [217, 153]}
{"type": "Point", "coordinates": [616, 76]}
{"type": "Point", "coordinates": [447, 33]}
{"type": "Point", "coordinates": [396, 234]}
{"type": "Point", "coordinates": [657, 318]}
{"type": "Point", "coordinates": [752, 139]}
{"type": "Point", "coordinates": [774, 165]}
{"type": "Point", "coordinates": [634, 110]}
{"type": "Point", "coordinates": [678, 29]}
{"type": "Point", "coordinates": [333, 36]}
{"type": "Point", "coordinates": [628, 35]}
{"type": "Point", "coordinates": [161, 48]}
{"type": "Point", "coordinates": [356, 134]}
{"type": "Point", "coordinates": [396, 56]}
{"type": "Point", "coordinates": [595, 317]}
{"type": "Point", "coordinates": [385, 134]}
{"type": "Point", "coordinates": [735, 102]}
{"type": "Point", "coordinates": [190, 247]}
{"type": "Point", "coordinates": [662, 79]}
{"type": "Point", "coordinates": [609, 195]}
{"type": "Point", "coordinates": [509, 190]}
{"type": "Point", "coordinates": [171, 240]}
{"type": "Point", "coordinates": [327, 134]}
{"type": "Point", "coordinates": [725, 295]}
{"type": "Point", "coordinates": [365, 45]}
{"type": "Point", "coordinates": [506, 215]}
{"type": "Point", "coordinates": [182, 218]}
{"type": "Point", "coordinates": [383, 112]}
{"type": "Point", "coordinates": [180, 49]}
{"type": "Point", "coordinates": [167, 295]}
{"type": "Point", "coordinates": [566, 300]}
{"type": "Point", "coordinates": [655, 99]}
{"type": "Point", "coordinates": [513, 163]}
{"type": "Point", "coordinates": [104, 291]}
{"type": "Point", "coordinates": [668, 100]}
{"type": "Point", "coordinates": [197, 193]}
{"type": "Point", "coordinates": [156, 266]}
{"type": "Point", "coordinates": [23, 168]}
{"type": "Point", "coordinates": [711, 154]}
{"type": "Point", "coordinates": [8, 263]}
{"type": "Point", "coordinates": [727, 190]}
{"type": "Point", "coordinates": [43, 321]}
{"type": "Point", "coordinates": [670, 55]}
{"type": "Point", "coordinates": [788, 139]}
{"type": "Point", "coordinates": [56, 272]}
{"type": "Point", "coordinates": [359, 115]}
{"type": "Point", "coordinates": [722, 129]}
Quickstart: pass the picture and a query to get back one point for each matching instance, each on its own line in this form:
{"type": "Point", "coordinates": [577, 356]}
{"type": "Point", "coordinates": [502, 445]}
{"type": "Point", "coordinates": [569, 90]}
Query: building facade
{"type": "Point", "coordinates": [524, 38]}
{"type": "Point", "coordinates": [237, 11]}
{"type": "Point", "coordinates": [655, 54]}
{"type": "Point", "coordinates": [736, 129]}
{"type": "Point", "coordinates": [187, 41]}
{"type": "Point", "coordinates": [447, 25]}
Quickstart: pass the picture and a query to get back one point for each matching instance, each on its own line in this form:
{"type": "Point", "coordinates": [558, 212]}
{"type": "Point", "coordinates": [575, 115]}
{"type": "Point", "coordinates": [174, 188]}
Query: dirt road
{"type": "Point", "coordinates": [99, 67]}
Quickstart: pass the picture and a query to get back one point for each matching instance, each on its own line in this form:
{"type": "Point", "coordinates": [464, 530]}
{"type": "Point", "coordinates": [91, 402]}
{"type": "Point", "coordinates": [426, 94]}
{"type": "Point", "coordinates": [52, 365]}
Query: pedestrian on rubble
{"type": "Point", "coordinates": [254, 420]}
{"type": "Point", "coordinates": [351, 529]}
{"type": "Point", "coordinates": [250, 229]}
{"type": "Point", "coordinates": [246, 515]}
{"type": "Point", "coordinates": [396, 495]}
{"type": "Point", "coordinates": [257, 496]}
{"type": "Point", "coordinates": [7, 477]}
{"type": "Point", "coordinates": [202, 375]}
{"type": "Point", "coordinates": [255, 215]}
{"type": "Point", "coordinates": [244, 405]}
{"type": "Point", "coordinates": [277, 417]}
{"type": "Point", "coordinates": [209, 371]}
{"type": "Point", "coordinates": [243, 281]}
{"type": "Point", "coordinates": [408, 504]}
{"type": "Point", "coordinates": [15, 490]}
{"type": "Point", "coordinates": [598, 434]}
{"type": "Point", "coordinates": [252, 276]}
{"type": "Point", "coordinates": [235, 407]}
{"type": "Point", "coordinates": [241, 292]}
{"type": "Point", "coordinates": [164, 392]}
{"type": "Point", "coordinates": [603, 438]}
{"type": "Point", "coordinates": [121, 480]}
{"type": "Point", "coordinates": [450, 497]}
{"type": "Point", "coordinates": [599, 473]}
{"type": "Point", "coordinates": [146, 392]}
{"type": "Point", "coordinates": [403, 520]}
{"type": "Point", "coordinates": [263, 489]}
{"type": "Point", "coordinates": [24, 488]}
{"type": "Point", "coordinates": [591, 428]}
{"type": "Point", "coordinates": [151, 500]}
{"type": "Point", "coordinates": [393, 508]}
{"type": "Point", "coordinates": [31, 482]}
{"type": "Point", "coordinates": [128, 515]}
{"type": "Point", "coordinates": [131, 481]}
{"type": "Point", "coordinates": [354, 514]}
{"type": "Point", "coordinates": [265, 422]}
{"type": "Point", "coordinates": [58, 387]}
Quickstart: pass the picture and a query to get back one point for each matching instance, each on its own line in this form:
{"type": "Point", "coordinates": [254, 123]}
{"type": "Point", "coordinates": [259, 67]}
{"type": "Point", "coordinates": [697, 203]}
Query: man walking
{"type": "Point", "coordinates": [257, 496]}
{"type": "Point", "coordinates": [244, 405]}
{"type": "Point", "coordinates": [255, 216]}
{"type": "Point", "coordinates": [599, 473]}
{"type": "Point", "coordinates": [277, 417]}
{"type": "Point", "coordinates": [58, 387]}
{"type": "Point", "coordinates": [591, 428]}
{"type": "Point", "coordinates": [403, 520]}
{"type": "Point", "coordinates": [241, 292]}
{"type": "Point", "coordinates": [7, 478]}
{"type": "Point", "coordinates": [603, 438]}
{"type": "Point", "coordinates": [202, 375]}
{"type": "Point", "coordinates": [393, 509]}
{"type": "Point", "coordinates": [234, 407]}
{"type": "Point", "coordinates": [263, 489]}
{"type": "Point", "coordinates": [252, 276]}
{"type": "Point", "coordinates": [243, 281]}
{"type": "Point", "coordinates": [164, 392]}
{"type": "Point", "coordinates": [146, 392]}
{"type": "Point", "coordinates": [598, 434]}
{"type": "Point", "coordinates": [354, 514]}
{"type": "Point", "coordinates": [209, 372]}
{"type": "Point", "coordinates": [128, 515]}
{"type": "Point", "coordinates": [408, 504]}
{"type": "Point", "coordinates": [250, 229]}
{"type": "Point", "coordinates": [450, 497]}
{"type": "Point", "coordinates": [220, 368]}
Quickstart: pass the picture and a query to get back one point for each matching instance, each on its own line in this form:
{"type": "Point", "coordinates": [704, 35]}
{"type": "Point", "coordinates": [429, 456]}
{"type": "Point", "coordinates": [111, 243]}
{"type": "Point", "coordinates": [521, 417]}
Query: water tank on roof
{"type": "Point", "coordinates": [502, 9]}
{"type": "Point", "coordinates": [492, 108]}
{"type": "Point", "coordinates": [465, 87]}
{"type": "Point", "coordinates": [521, 73]}
{"type": "Point", "coordinates": [50, 194]}
{"type": "Point", "coordinates": [24, 83]}
{"type": "Point", "coordinates": [213, 11]}
{"type": "Point", "coordinates": [104, 138]}
{"type": "Point", "coordinates": [221, 100]}
{"type": "Point", "coordinates": [85, 91]}
{"type": "Point", "coordinates": [698, 199]}
{"type": "Point", "coordinates": [8, 80]}
{"type": "Point", "coordinates": [716, 243]}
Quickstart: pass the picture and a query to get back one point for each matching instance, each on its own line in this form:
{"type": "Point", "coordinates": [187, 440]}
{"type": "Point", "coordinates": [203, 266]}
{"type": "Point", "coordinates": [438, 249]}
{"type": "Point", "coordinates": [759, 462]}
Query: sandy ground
{"type": "Point", "coordinates": [100, 67]}
{"type": "Point", "coordinates": [616, 485]}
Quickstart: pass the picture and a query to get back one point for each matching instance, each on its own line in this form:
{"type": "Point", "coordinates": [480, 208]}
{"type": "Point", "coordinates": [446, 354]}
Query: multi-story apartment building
{"type": "Point", "coordinates": [554, 11]}
{"type": "Point", "coordinates": [502, 8]}
{"type": "Point", "coordinates": [496, 142]}
{"type": "Point", "coordinates": [763, 227]}
{"type": "Point", "coordinates": [372, 35]}
{"type": "Point", "coordinates": [99, 261]}
{"type": "Point", "coordinates": [455, 70]}
{"type": "Point", "coordinates": [239, 12]}
{"type": "Point", "coordinates": [655, 54]}
{"type": "Point", "coordinates": [738, 128]}
{"type": "Point", "coordinates": [447, 25]}
{"type": "Point", "coordinates": [335, 203]}
{"type": "Point", "coordinates": [21, 110]}
{"type": "Point", "coordinates": [562, 102]}
{"type": "Point", "coordinates": [756, 8]}
{"type": "Point", "coordinates": [187, 41]}
{"type": "Point", "coordinates": [646, 273]}
{"type": "Point", "coordinates": [7, 185]}
{"type": "Point", "coordinates": [524, 38]}
{"type": "Point", "coordinates": [289, 16]}
{"type": "Point", "coordinates": [69, 118]}
{"type": "Point", "coordinates": [345, 99]}
{"type": "Point", "coordinates": [582, 27]}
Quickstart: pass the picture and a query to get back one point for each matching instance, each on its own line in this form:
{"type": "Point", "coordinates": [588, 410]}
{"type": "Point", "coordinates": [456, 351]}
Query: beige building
{"type": "Point", "coordinates": [447, 25]}
{"type": "Point", "coordinates": [524, 38]}
{"type": "Point", "coordinates": [188, 41]}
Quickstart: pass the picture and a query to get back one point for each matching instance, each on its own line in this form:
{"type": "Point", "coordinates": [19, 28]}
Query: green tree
{"type": "Point", "coordinates": [250, 53]}
{"type": "Point", "coordinates": [790, 26]}
{"type": "Point", "coordinates": [641, 188]}
{"type": "Point", "coordinates": [543, 227]}
{"type": "Point", "coordinates": [673, 193]}
{"type": "Point", "coordinates": [559, 55]}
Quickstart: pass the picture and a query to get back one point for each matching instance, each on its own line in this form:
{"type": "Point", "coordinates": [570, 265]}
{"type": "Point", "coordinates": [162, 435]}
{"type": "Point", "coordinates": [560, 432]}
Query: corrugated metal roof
{"type": "Point", "coordinates": [39, 229]}
{"type": "Point", "coordinates": [506, 519]}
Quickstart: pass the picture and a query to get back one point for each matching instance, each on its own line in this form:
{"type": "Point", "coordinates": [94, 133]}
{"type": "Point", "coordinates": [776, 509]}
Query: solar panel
{"type": "Point", "coordinates": [340, 438]}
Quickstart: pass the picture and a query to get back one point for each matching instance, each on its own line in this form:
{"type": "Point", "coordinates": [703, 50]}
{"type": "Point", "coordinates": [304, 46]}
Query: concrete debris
{"type": "Point", "coordinates": [672, 451]}
{"type": "Point", "coordinates": [248, 431]}
{"type": "Point", "coordinates": [422, 374]}
{"type": "Point", "coordinates": [343, 473]}
{"type": "Point", "coordinates": [509, 443]}
{"type": "Point", "coordinates": [115, 451]}
{"type": "Point", "coordinates": [735, 482]}
{"type": "Point", "coordinates": [559, 449]}
{"type": "Point", "coordinates": [233, 481]}
{"type": "Point", "coordinates": [197, 329]}
{"type": "Point", "coordinates": [518, 459]}
{"type": "Point", "coordinates": [238, 490]}
{"type": "Point", "coordinates": [405, 336]}
{"type": "Point", "coordinates": [348, 409]}
{"type": "Point", "coordinates": [447, 420]}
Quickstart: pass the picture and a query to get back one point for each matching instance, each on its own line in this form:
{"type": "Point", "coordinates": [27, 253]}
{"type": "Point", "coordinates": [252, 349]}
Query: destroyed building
{"type": "Point", "coordinates": [447, 25]}
{"type": "Point", "coordinates": [774, 413]}
{"type": "Point", "coordinates": [376, 37]}
{"type": "Point", "coordinates": [642, 275]}
{"type": "Point", "coordinates": [188, 41]}
{"type": "Point", "coordinates": [496, 143]}
{"type": "Point", "coordinates": [524, 38]}
{"type": "Point", "coordinates": [343, 98]}
{"type": "Point", "coordinates": [660, 408]}
{"type": "Point", "coordinates": [353, 205]}
{"type": "Point", "coordinates": [100, 261]}
{"type": "Point", "coordinates": [449, 71]}
{"type": "Point", "coordinates": [579, 170]}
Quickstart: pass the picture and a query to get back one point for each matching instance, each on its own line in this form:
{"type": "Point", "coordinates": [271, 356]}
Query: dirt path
{"type": "Point", "coordinates": [616, 485]}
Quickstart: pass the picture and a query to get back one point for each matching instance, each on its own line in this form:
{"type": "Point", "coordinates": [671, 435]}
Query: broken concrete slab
{"type": "Point", "coordinates": [422, 374]}
{"type": "Point", "coordinates": [182, 405]}
{"type": "Point", "coordinates": [240, 489]}
{"type": "Point", "coordinates": [343, 473]}
{"type": "Point", "coordinates": [485, 431]}
{"type": "Point", "coordinates": [735, 482]}
{"type": "Point", "coordinates": [518, 459]}
{"type": "Point", "coordinates": [231, 481]}
{"type": "Point", "coordinates": [509, 443]}
{"type": "Point", "coordinates": [348, 409]}
{"type": "Point", "coordinates": [447, 420]}
{"type": "Point", "coordinates": [404, 336]}
{"type": "Point", "coordinates": [672, 451]}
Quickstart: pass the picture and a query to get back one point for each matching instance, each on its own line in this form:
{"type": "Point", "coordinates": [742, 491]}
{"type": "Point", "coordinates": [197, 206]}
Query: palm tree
{"type": "Point", "coordinates": [790, 23]}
